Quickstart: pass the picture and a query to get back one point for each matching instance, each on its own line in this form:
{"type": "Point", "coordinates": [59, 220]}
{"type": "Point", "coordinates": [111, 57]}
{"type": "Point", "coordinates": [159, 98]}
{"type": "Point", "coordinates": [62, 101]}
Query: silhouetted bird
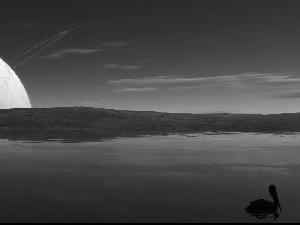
{"type": "Point", "coordinates": [261, 208]}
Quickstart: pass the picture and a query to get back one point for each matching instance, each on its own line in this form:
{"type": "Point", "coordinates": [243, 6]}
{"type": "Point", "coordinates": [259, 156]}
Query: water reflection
{"type": "Point", "coordinates": [262, 208]}
{"type": "Point", "coordinates": [63, 137]}
{"type": "Point", "coordinates": [193, 178]}
{"type": "Point", "coordinates": [101, 136]}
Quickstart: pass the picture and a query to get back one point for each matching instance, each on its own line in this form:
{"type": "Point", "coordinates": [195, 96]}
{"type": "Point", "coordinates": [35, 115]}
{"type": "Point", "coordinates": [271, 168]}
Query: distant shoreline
{"type": "Point", "coordinates": [109, 121]}
{"type": "Point", "coordinates": [92, 136]}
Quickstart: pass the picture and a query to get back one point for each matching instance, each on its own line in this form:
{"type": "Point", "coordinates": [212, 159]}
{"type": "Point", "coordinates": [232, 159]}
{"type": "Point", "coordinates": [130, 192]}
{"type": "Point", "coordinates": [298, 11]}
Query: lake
{"type": "Point", "coordinates": [175, 178]}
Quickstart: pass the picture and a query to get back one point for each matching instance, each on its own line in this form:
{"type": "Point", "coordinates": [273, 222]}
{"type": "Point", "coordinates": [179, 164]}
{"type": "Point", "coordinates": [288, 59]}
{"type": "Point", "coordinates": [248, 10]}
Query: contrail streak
{"type": "Point", "coordinates": [41, 43]}
{"type": "Point", "coordinates": [41, 50]}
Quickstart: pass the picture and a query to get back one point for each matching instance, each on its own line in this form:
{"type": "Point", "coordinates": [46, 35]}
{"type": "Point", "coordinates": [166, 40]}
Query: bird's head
{"type": "Point", "coordinates": [273, 193]}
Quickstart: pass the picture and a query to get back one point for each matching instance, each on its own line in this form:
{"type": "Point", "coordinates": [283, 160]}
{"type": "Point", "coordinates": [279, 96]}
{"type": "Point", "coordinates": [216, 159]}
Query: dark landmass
{"type": "Point", "coordinates": [95, 122]}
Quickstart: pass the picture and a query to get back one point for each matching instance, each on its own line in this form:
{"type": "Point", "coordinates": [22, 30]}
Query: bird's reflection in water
{"type": "Point", "coordinates": [263, 209]}
{"type": "Point", "coordinates": [263, 215]}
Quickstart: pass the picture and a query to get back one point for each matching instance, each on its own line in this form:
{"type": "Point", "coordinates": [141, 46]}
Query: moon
{"type": "Point", "coordinates": [12, 91]}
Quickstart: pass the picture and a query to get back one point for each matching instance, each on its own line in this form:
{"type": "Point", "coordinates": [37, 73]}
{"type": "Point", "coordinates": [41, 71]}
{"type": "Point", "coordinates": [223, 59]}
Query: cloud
{"type": "Point", "coordinates": [115, 66]}
{"type": "Point", "coordinates": [144, 89]}
{"type": "Point", "coordinates": [233, 111]}
{"type": "Point", "coordinates": [160, 80]}
{"type": "Point", "coordinates": [180, 79]}
{"type": "Point", "coordinates": [187, 88]}
{"type": "Point", "coordinates": [135, 67]}
{"type": "Point", "coordinates": [230, 82]}
{"type": "Point", "coordinates": [284, 95]}
{"type": "Point", "coordinates": [89, 103]}
{"type": "Point", "coordinates": [25, 24]}
{"type": "Point", "coordinates": [105, 45]}
{"type": "Point", "coordinates": [66, 52]}
{"type": "Point", "coordinates": [143, 81]}
{"type": "Point", "coordinates": [78, 51]}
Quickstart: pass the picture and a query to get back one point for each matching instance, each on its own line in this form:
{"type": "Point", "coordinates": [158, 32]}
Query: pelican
{"type": "Point", "coordinates": [261, 208]}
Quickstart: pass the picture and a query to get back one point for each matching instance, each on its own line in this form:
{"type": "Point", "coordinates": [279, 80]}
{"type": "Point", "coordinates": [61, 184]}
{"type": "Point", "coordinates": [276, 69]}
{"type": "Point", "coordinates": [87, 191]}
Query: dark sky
{"type": "Point", "coordinates": [167, 55]}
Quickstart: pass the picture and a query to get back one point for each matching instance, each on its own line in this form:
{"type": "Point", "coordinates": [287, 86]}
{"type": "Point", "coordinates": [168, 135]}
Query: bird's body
{"type": "Point", "coordinates": [261, 208]}
{"type": "Point", "coordinates": [262, 205]}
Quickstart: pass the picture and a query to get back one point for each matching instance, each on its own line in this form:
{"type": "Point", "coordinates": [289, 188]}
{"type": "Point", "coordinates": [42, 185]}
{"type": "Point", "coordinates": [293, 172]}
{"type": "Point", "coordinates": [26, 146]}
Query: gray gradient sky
{"type": "Point", "coordinates": [167, 55]}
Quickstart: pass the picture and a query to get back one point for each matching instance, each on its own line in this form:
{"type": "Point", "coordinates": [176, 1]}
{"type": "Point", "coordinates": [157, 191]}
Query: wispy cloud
{"type": "Point", "coordinates": [79, 51]}
{"type": "Point", "coordinates": [244, 111]}
{"type": "Point", "coordinates": [254, 77]}
{"type": "Point", "coordinates": [133, 67]}
{"type": "Point", "coordinates": [143, 81]}
{"type": "Point", "coordinates": [105, 45]}
{"type": "Point", "coordinates": [144, 89]}
{"type": "Point", "coordinates": [261, 82]}
{"type": "Point", "coordinates": [115, 66]}
{"type": "Point", "coordinates": [187, 88]}
{"type": "Point", "coordinates": [283, 95]}
{"type": "Point", "coordinates": [89, 103]}
{"type": "Point", "coordinates": [240, 81]}
{"type": "Point", "coordinates": [66, 52]}
{"type": "Point", "coordinates": [25, 24]}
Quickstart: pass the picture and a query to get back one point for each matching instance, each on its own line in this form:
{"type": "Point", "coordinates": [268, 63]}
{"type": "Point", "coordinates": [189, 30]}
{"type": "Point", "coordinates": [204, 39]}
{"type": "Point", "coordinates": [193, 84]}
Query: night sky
{"type": "Point", "coordinates": [237, 56]}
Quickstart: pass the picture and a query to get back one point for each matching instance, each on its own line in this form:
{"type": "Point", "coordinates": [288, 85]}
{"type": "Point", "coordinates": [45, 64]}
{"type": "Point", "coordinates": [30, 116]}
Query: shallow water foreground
{"type": "Point", "coordinates": [192, 178]}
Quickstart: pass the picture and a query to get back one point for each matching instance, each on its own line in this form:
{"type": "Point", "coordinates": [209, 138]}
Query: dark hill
{"type": "Point", "coordinates": [140, 122]}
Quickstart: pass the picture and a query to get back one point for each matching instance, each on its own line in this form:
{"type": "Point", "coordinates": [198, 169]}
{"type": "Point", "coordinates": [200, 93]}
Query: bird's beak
{"type": "Point", "coordinates": [279, 207]}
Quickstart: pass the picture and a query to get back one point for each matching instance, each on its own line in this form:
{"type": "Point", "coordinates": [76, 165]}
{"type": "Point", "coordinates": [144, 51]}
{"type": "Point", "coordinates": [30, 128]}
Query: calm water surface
{"type": "Point", "coordinates": [192, 178]}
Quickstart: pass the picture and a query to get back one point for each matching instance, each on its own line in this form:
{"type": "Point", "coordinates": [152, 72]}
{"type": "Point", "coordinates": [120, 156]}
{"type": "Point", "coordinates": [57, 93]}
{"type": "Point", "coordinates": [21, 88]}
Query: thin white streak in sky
{"type": "Point", "coordinates": [45, 41]}
{"type": "Point", "coordinates": [47, 46]}
{"type": "Point", "coordinates": [39, 44]}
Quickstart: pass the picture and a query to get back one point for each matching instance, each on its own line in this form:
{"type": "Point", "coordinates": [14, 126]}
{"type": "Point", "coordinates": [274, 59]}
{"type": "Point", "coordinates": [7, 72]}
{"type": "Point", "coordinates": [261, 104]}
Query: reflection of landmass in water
{"type": "Point", "coordinates": [62, 137]}
{"type": "Point", "coordinates": [97, 136]}
{"type": "Point", "coordinates": [262, 208]}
